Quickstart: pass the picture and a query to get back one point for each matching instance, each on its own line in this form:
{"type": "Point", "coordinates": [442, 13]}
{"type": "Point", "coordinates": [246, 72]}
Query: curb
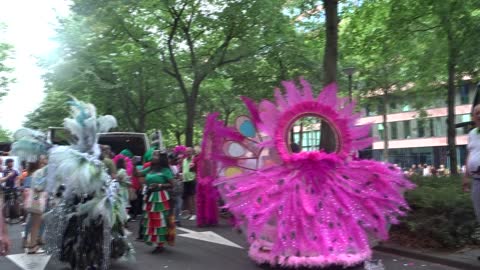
{"type": "Point", "coordinates": [424, 256]}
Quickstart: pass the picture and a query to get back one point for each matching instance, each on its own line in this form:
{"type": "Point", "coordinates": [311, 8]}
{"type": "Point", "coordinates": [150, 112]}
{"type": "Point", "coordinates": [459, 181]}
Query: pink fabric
{"type": "Point", "coordinates": [128, 163]}
{"type": "Point", "coordinates": [207, 195]}
{"type": "Point", "coordinates": [307, 208]}
{"type": "Point", "coordinates": [129, 168]}
{"type": "Point", "coordinates": [135, 183]}
{"type": "Point", "coordinates": [347, 260]}
{"type": "Point", "coordinates": [179, 149]}
{"type": "Point", "coordinates": [207, 203]}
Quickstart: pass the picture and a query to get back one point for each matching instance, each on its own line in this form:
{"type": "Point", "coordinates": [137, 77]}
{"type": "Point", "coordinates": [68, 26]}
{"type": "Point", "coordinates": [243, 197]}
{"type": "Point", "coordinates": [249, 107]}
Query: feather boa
{"type": "Point", "coordinates": [128, 163]}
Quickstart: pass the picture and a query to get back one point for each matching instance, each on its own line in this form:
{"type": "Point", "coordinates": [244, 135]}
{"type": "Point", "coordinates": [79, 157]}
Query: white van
{"type": "Point", "coordinates": [137, 143]}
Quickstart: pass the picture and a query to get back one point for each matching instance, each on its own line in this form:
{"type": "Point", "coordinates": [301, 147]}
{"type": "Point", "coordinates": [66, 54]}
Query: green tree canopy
{"type": "Point", "coordinates": [5, 69]}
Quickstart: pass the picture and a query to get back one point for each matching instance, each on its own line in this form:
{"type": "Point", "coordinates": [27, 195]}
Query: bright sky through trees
{"type": "Point", "coordinates": [30, 29]}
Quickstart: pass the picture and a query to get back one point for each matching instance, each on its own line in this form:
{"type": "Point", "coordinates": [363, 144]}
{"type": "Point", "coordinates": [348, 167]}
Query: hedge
{"type": "Point", "coordinates": [440, 211]}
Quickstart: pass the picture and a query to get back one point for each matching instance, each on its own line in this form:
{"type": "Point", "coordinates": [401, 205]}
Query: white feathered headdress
{"type": "Point", "coordinates": [84, 125]}
{"type": "Point", "coordinates": [29, 144]}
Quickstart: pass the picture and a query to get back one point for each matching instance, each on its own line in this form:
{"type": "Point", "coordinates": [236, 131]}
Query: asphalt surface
{"type": "Point", "coordinates": [193, 254]}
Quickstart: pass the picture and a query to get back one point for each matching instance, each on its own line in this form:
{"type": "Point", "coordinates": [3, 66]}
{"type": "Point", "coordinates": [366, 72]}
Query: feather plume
{"type": "Point", "coordinates": [106, 122]}
{"type": "Point", "coordinates": [29, 144]}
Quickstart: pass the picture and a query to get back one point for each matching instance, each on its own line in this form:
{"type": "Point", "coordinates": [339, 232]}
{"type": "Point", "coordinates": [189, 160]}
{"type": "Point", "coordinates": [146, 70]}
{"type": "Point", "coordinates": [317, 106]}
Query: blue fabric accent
{"type": "Point", "coordinates": [27, 183]}
{"type": "Point", "coordinates": [247, 129]}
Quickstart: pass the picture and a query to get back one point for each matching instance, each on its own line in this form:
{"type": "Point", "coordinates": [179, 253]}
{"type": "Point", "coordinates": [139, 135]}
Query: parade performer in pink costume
{"type": "Point", "coordinates": [304, 208]}
{"type": "Point", "coordinates": [207, 194]}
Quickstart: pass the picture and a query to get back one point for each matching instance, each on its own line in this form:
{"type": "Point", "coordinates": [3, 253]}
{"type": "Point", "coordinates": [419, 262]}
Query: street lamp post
{"type": "Point", "coordinates": [349, 71]}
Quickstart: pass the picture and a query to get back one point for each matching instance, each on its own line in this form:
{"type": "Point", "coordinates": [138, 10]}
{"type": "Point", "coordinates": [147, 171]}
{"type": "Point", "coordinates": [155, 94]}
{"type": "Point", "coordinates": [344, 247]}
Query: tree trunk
{"type": "Point", "coordinates": [327, 138]}
{"type": "Point", "coordinates": [178, 137]}
{"type": "Point", "coordinates": [451, 132]}
{"type": "Point", "coordinates": [385, 125]}
{"type": "Point", "coordinates": [190, 109]}
{"type": "Point", "coordinates": [292, 136]}
{"type": "Point", "coordinates": [228, 113]}
{"type": "Point", "coordinates": [143, 102]}
{"type": "Point", "coordinates": [300, 135]}
{"type": "Point", "coordinates": [142, 120]}
{"type": "Point", "coordinates": [331, 43]}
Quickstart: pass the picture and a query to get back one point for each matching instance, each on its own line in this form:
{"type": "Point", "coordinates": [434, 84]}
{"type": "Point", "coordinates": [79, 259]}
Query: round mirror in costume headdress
{"type": "Point", "coordinates": [287, 175]}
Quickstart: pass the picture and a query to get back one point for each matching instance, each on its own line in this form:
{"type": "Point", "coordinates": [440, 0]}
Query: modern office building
{"type": "Point", "coordinates": [413, 138]}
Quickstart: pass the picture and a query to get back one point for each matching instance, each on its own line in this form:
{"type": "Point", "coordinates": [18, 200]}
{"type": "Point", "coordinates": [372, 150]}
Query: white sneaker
{"type": "Point", "coordinates": [193, 217]}
{"type": "Point", "coordinates": [40, 251]}
{"type": "Point", "coordinates": [34, 251]}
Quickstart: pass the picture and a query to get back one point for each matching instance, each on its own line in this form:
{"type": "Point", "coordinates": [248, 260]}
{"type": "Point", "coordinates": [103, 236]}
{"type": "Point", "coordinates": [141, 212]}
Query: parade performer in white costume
{"type": "Point", "coordinates": [84, 228]}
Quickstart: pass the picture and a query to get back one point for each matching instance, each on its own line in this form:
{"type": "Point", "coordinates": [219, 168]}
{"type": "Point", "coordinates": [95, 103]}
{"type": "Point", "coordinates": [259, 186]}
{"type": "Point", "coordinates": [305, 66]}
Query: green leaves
{"type": "Point", "coordinates": [165, 64]}
{"type": "Point", "coordinates": [5, 70]}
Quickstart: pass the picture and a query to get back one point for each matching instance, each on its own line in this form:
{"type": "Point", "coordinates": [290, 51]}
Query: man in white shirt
{"type": "Point", "coordinates": [472, 169]}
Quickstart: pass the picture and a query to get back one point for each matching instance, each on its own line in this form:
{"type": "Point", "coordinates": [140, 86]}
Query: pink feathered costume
{"type": "Point", "coordinates": [308, 208]}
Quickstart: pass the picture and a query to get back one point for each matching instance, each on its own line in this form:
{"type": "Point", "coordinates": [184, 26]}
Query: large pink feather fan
{"type": "Point", "coordinates": [316, 208]}
{"type": "Point", "coordinates": [210, 158]}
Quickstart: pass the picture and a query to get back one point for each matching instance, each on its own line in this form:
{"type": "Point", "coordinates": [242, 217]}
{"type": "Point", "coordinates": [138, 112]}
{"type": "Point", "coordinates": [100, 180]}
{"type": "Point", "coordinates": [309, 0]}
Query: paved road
{"type": "Point", "coordinates": [194, 254]}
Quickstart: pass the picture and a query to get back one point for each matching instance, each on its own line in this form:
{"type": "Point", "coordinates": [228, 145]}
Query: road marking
{"type": "Point", "coordinates": [30, 261]}
{"type": "Point", "coordinates": [207, 236]}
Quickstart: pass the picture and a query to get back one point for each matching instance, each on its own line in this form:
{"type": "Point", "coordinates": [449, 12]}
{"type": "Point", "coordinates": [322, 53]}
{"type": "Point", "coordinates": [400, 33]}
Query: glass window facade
{"type": "Point", "coordinates": [310, 139]}
{"type": "Point", "coordinates": [462, 119]}
{"type": "Point", "coordinates": [464, 94]}
{"type": "Point", "coordinates": [380, 131]}
{"type": "Point", "coordinates": [407, 130]}
{"type": "Point", "coordinates": [393, 130]}
{"type": "Point", "coordinates": [419, 128]}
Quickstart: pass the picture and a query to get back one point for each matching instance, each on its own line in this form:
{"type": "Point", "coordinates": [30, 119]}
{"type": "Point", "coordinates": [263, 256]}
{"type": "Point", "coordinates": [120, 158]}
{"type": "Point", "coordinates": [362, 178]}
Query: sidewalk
{"type": "Point", "coordinates": [465, 259]}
